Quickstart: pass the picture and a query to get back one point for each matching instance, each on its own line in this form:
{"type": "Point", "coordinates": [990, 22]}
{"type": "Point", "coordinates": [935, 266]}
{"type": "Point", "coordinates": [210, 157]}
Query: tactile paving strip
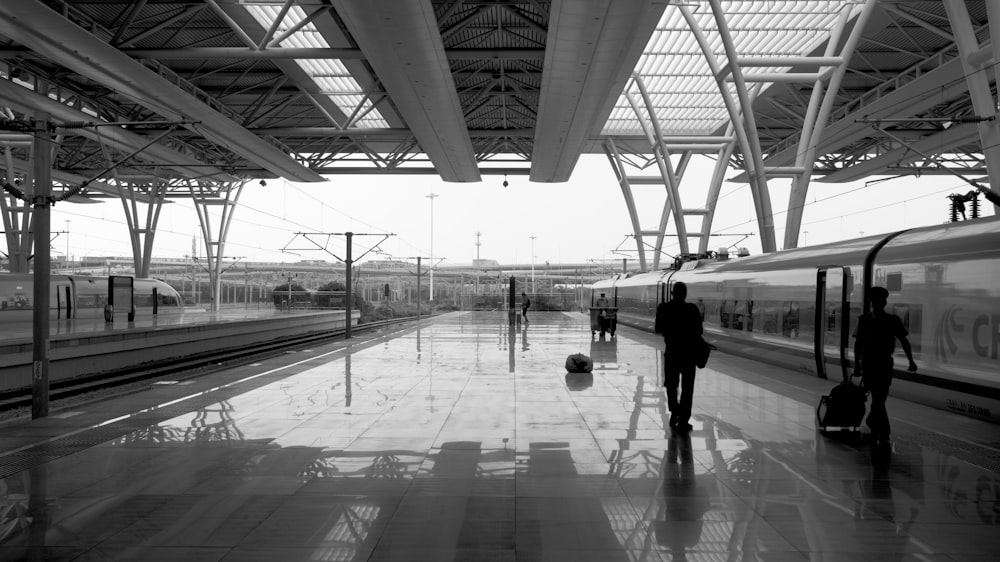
{"type": "Point", "coordinates": [972, 453]}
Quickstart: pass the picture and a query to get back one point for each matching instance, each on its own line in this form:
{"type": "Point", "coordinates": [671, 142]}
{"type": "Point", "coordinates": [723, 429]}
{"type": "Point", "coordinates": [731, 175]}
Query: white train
{"type": "Point", "coordinates": [798, 308]}
{"type": "Point", "coordinates": [82, 296]}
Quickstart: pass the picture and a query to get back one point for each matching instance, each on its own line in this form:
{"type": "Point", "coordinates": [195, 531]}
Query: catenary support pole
{"type": "Point", "coordinates": [41, 201]}
{"type": "Point", "coordinates": [348, 263]}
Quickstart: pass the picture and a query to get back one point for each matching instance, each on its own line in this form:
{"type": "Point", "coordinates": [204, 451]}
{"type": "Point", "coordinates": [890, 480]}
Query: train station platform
{"type": "Point", "coordinates": [466, 439]}
{"type": "Point", "coordinates": [66, 328]}
{"type": "Point", "coordinates": [90, 346]}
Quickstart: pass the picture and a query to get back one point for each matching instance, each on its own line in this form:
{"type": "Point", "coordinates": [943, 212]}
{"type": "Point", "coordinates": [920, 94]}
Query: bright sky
{"type": "Point", "coordinates": [582, 219]}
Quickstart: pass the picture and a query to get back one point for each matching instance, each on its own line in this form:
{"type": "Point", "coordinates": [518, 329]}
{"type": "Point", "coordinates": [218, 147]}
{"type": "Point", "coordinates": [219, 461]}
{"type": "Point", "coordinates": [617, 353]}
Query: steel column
{"type": "Point", "coordinates": [714, 188]}
{"type": "Point", "coordinates": [739, 128]}
{"type": "Point", "coordinates": [816, 119]}
{"type": "Point", "coordinates": [759, 189]}
{"type": "Point", "coordinates": [618, 166]}
{"type": "Point", "coordinates": [225, 197]}
{"type": "Point", "coordinates": [41, 200]}
{"type": "Point", "coordinates": [978, 80]}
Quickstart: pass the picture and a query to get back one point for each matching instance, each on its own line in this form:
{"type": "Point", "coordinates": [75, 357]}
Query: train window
{"type": "Point", "coordinates": [911, 317]}
{"type": "Point", "coordinates": [711, 315]}
{"type": "Point", "coordinates": [807, 319]}
{"type": "Point", "coordinates": [894, 282]}
{"type": "Point", "coordinates": [790, 320]}
{"type": "Point", "coordinates": [739, 314]}
{"type": "Point", "coordinates": [832, 318]}
{"type": "Point", "coordinates": [767, 317]}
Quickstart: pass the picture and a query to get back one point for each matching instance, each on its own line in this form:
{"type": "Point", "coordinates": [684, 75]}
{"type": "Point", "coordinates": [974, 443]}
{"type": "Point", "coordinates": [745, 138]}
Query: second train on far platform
{"type": "Point", "coordinates": [82, 296]}
{"type": "Point", "coordinates": [798, 308]}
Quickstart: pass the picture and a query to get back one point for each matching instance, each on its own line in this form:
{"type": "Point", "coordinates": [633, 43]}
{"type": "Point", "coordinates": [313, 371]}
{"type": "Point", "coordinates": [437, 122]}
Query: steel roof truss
{"type": "Point", "coordinates": [817, 116]}
{"type": "Point", "coordinates": [404, 46]}
{"type": "Point", "coordinates": [977, 78]}
{"type": "Point", "coordinates": [672, 203]}
{"type": "Point", "coordinates": [184, 14]}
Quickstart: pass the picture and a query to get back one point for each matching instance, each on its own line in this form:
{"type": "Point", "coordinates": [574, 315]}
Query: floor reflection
{"type": "Point", "coordinates": [432, 452]}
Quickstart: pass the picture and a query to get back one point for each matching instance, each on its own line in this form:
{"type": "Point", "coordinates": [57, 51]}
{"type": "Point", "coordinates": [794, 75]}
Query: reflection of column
{"type": "Point", "coordinates": [432, 196]}
{"type": "Point", "coordinates": [38, 508]}
{"type": "Point", "coordinates": [511, 342]}
{"type": "Point", "coordinates": [348, 390]}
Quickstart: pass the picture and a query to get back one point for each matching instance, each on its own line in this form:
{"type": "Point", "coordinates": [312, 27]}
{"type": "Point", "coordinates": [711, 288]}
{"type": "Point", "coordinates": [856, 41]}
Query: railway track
{"type": "Point", "coordinates": [101, 385]}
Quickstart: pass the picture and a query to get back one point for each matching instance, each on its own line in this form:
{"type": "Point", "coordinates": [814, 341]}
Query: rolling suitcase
{"type": "Point", "coordinates": [842, 409]}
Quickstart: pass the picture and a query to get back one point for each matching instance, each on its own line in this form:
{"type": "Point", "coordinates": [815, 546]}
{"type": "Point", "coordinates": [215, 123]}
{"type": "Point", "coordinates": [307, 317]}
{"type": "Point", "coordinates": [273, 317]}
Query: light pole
{"type": "Point", "coordinates": [432, 197]}
{"type": "Point", "coordinates": [67, 242]}
{"type": "Point", "coordinates": [532, 262]}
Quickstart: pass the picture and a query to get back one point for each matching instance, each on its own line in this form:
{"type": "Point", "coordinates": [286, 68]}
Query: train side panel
{"type": "Point", "coordinates": [943, 285]}
{"type": "Point", "coordinates": [942, 282]}
{"type": "Point", "coordinates": [771, 314]}
{"type": "Point", "coordinates": [77, 296]}
{"type": "Point", "coordinates": [17, 294]}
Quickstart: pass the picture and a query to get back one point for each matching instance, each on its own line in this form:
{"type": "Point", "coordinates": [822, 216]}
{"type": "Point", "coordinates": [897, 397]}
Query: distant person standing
{"type": "Point", "coordinates": [525, 303]}
{"type": "Point", "coordinates": [602, 302]}
{"type": "Point", "coordinates": [876, 335]}
{"type": "Point", "coordinates": [680, 324]}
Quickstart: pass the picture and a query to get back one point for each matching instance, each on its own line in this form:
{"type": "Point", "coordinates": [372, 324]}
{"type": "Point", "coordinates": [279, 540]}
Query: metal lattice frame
{"type": "Point", "coordinates": [817, 115]}
{"type": "Point", "coordinates": [744, 124]}
{"type": "Point", "coordinates": [739, 81]}
{"type": "Point", "coordinates": [16, 216]}
{"type": "Point", "coordinates": [205, 196]}
{"type": "Point", "coordinates": [976, 61]}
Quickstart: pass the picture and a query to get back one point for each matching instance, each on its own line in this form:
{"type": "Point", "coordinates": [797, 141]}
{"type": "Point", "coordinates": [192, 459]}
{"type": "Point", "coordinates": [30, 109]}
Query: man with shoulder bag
{"type": "Point", "coordinates": [680, 324]}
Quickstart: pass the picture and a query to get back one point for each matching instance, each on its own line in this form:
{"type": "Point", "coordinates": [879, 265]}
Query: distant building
{"type": "Point", "coordinates": [381, 265]}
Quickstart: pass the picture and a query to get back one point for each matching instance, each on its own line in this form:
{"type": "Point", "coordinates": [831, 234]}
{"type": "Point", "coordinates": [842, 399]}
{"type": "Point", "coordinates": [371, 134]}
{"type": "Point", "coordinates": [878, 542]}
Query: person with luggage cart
{"type": "Point", "coordinates": [876, 335]}
{"type": "Point", "coordinates": [603, 317]}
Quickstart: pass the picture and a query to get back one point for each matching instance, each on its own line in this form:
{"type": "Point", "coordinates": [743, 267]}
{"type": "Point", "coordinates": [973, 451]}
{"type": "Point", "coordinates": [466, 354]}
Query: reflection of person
{"type": "Point", "coordinates": [680, 324]}
{"type": "Point", "coordinates": [524, 338]}
{"type": "Point", "coordinates": [685, 503]}
{"type": "Point", "coordinates": [876, 515]}
{"type": "Point", "coordinates": [876, 335]}
{"type": "Point", "coordinates": [525, 303]}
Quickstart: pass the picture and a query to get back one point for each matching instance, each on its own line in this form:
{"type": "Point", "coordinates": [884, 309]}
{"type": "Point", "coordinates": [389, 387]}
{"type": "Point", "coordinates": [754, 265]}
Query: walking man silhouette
{"type": "Point", "coordinates": [875, 342]}
{"type": "Point", "coordinates": [680, 324]}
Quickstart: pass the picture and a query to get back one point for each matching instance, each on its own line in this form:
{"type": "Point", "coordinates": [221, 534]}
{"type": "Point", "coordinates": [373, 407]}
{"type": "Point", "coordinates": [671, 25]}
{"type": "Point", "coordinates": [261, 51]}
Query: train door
{"type": "Point", "coordinates": [832, 320]}
{"type": "Point", "coordinates": [64, 300]}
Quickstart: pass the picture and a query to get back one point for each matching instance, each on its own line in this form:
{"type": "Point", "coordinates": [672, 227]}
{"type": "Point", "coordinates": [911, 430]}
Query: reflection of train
{"type": "Point", "coordinates": [80, 296]}
{"type": "Point", "coordinates": [943, 283]}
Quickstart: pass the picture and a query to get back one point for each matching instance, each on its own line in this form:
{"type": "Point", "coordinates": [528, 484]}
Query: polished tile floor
{"type": "Point", "coordinates": [466, 440]}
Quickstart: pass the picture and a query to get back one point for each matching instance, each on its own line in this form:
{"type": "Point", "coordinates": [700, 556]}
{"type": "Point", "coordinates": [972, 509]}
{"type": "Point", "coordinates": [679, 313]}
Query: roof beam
{"type": "Point", "coordinates": [941, 142]}
{"type": "Point", "coordinates": [402, 43]}
{"type": "Point", "coordinates": [591, 48]}
{"type": "Point", "coordinates": [51, 35]}
{"type": "Point", "coordinates": [908, 98]}
{"type": "Point", "coordinates": [28, 102]}
{"type": "Point", "coordinates": [248, 26]}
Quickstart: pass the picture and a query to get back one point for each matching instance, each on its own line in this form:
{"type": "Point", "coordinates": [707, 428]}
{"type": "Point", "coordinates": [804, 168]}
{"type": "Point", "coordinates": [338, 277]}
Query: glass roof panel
{"type": "Point", "coordinates": [678, 78]}
{"type": "Point", "coordinates": [332, 77]}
